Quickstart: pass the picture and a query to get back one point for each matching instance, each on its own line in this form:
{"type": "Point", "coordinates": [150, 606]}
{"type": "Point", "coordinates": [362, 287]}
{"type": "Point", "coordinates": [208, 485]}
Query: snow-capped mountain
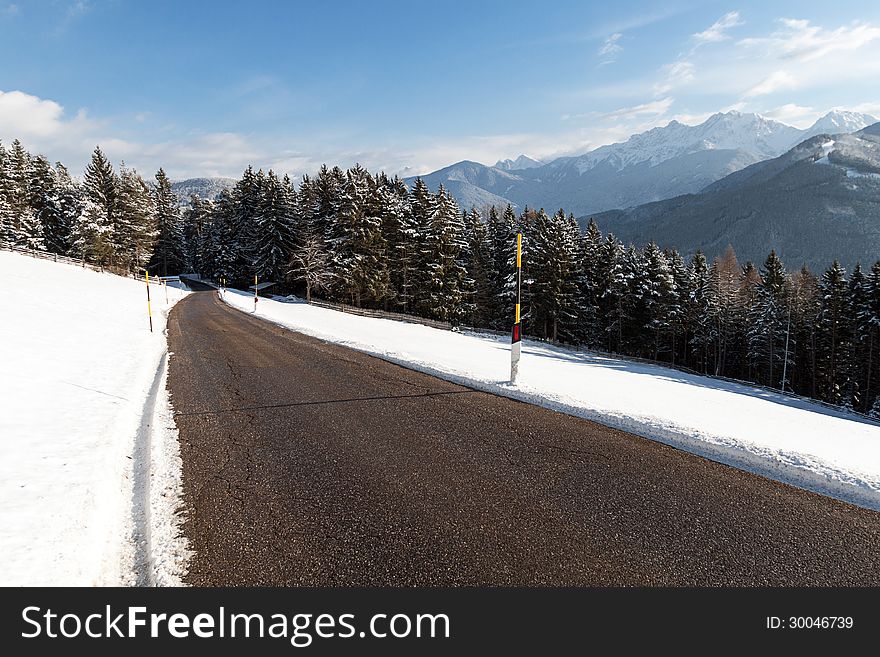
{"type": "Point", "coordinates": [520, 163]}
{"type": "Point", "coordinates": [816, 202]}
{"type": "Point", "coordinates": [751, 133]}
{"type": "Point", "coordinates": [650, 166]}
{"type": "Point", "coordinates": [837, 122]}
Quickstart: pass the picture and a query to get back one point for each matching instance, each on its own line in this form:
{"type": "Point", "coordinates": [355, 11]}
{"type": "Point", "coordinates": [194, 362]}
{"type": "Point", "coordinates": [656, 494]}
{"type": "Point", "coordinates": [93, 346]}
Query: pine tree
{"type": "Point", "coordinates": [273, 238]}
{"type": "Point", "coordinates": [94, 228]}
{"type": "Point", "coordinates": [18, 174]}
{"type": "Point", "coordinates": [804, 307]}
{"type": "Point", "coordinates": [403, 242]}
{"type": "Point", "coordinates": [871, 320]}
{"type": "Point", "coordinates": [168, 254]}
{"type": "Point", "coordinates": [478, 261]}
{"type": "Point", "coordinates": [239, 255]}
{"type": "Point", "coordinates": [678, 314]}
{"type": "Point", "coordinates": [196, 226]}
{"type": "Point", "coordinates": [221, 251]}
{"type": "Point", "coordinates": [360, 257]}
{"type": "Point", "coordinates": [46, 202]}
{"type": "Point", "coordinates": [858, 311]}
{"type": "Point", "coordinates": [36, 215]}
{"type": "Point", "coordinates": [423, 206]}
{"type": "Point", "coordinates": [501, 234]}
{"type": "Point", "coordinates": [7, 229]}
{"type": "Point", "coordinates": [698, 312]}
{"type": "Point", "coordinates": [657, 295]}
{"type": "Point", "coordinates": [553, 264]}
{"type": "Point", "coordinates": [69, 208]}
{"type": "Point", "coordinates": [447, 275]}
{"type": "Point", "coordinates": [329, 188]}
{"type": "Point", "coordinates": [612, 297]}
{"type": "Point", "coordinates": [833, 327]}
{"type": "Point", "coordinates": [724, 281]}
{"type": "Point", "coordinates": [135, 226]}
{"type": "Point", "coordinates": [768, 323]}
{"type": "Point", "coordinates": [589, 285]}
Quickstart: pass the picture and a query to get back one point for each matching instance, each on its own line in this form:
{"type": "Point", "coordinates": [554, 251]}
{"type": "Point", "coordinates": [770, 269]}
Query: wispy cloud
{"type": "Point", "coordinates": [718, 30]}
{"type": "Point", "coordinates": [776, 81]}
{"type": "Point", "coordinates": [682, 71]}
{"type": "Point", "coordinates": [10, 10]}
{"type": "Point", "coordinates": [611, 48]}
{"type": "Point", "coordinates": [800, 116]}
{"type": "Point", "coordinates": [800, 40]}
{"type": "Point", "coordinates": [656, 107]}
{"type": "Point", "coordinates": [870, 107]}
{"type": "Point", "coordinates": [674, 75]}
{"type": "Point", "coordinates": [73, 11]}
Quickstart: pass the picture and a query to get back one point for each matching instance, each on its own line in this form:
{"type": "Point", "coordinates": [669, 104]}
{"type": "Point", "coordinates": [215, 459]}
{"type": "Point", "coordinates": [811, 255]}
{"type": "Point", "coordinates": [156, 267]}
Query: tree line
{"type": "Point", "coordinates": [116, 219]}
{"type": "Point", "coordinates": [371, 241]}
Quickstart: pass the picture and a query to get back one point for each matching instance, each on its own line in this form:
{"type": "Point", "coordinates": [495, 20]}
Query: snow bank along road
{"type": "Point", "coordinates": [89, 473]}
{"type": "Point", "coordinates": [307, 463]}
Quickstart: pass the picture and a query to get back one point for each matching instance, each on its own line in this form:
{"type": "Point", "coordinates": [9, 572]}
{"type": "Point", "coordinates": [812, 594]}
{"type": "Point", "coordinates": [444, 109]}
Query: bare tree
{"type": "Point", "coordinates": [310, 263]}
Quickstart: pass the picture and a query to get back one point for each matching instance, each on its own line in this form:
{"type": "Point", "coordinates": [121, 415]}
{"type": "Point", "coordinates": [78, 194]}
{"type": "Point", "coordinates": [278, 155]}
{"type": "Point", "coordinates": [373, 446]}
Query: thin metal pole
{"type": "Point", "coordinates": [149, 310]}
{"type": "Point", "coordinates": [787, 334]}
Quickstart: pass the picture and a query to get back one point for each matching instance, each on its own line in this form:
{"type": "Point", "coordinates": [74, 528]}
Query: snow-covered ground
{"type": "Point", "coordinates": [784, 438]}
{"type": "Point", "coordinates": [89, 466]}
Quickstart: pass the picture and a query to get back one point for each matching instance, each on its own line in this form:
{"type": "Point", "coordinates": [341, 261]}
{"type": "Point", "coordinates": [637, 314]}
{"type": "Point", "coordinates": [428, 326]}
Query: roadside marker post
{"type": "Point", "coordinates": [516, 337]}
{"type": "Point", "coordinates": [256, 293]}
{"type": "Point", "coordinates": [149, 310]}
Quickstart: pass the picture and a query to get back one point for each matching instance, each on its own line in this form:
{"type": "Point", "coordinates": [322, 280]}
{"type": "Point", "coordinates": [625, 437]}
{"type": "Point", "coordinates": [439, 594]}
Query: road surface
{"type": "Point", "coordinates": [306, 463]}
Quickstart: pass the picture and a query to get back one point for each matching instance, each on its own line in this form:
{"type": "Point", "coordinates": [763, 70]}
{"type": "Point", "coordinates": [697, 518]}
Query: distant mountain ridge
{"type": "Point", "coordinates": [650, 166]}
{"type": "Point", "coordinates": [204, 188]}
{"type": "Point", "coordinates": [818, 202]}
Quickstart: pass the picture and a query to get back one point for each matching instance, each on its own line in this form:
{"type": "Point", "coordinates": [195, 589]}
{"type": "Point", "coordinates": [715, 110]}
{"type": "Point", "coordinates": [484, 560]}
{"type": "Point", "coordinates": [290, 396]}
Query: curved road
{"type": "Point", "coordinates": [306, 463]}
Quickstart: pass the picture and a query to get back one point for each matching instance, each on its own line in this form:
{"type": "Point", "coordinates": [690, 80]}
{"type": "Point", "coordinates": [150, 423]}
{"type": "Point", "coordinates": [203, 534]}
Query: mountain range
{"type": "Point", "coordinates": [658, 164]}
{"type": "Point", "coordinates": [818, 202]}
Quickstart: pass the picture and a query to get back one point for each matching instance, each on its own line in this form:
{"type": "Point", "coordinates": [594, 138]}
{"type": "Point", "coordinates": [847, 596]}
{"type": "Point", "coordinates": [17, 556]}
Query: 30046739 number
{"type": "Point", "coordinates": [810, 623]}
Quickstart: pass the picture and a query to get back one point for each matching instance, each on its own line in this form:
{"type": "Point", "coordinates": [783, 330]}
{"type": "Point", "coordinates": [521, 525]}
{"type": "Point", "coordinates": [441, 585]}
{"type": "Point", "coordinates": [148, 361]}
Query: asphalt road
{"type": "Point", "coordinates": [306, 463]}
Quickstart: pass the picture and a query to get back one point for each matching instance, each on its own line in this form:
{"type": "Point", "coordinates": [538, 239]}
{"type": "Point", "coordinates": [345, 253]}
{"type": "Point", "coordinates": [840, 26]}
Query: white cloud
{"type": "Point", "coordinates": [645, 109]}
{"type": "Point", "coordinates": [23, 115]}
{"type": "Point", "coordinates": [801, 40]}
{"type": "Point", "coordinates": [776, 81]}
{"type": "Point", "coordinates": [718, 30]}
{"type": "Point", "coordinates": [871, 107]}
{"type": "Point", "coordinates": [793, 114]}
{"type": "Point", "coordinates": [676, 74]}
{"type": "Point", "coordinates": [611, 48]}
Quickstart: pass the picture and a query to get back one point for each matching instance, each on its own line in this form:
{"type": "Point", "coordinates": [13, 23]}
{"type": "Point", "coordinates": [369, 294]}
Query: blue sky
{"type": "Point", "coordinates": [204, 88]}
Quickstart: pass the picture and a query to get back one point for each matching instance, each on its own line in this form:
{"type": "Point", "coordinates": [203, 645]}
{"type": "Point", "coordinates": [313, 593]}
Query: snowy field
{"type": "Point", "coordinates": [89, 467]}
{"type": "Point", "coordinates": [784, 438]}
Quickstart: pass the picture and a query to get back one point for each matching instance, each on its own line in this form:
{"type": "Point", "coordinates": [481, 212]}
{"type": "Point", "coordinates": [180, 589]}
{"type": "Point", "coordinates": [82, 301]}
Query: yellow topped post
{"type": "Point", "coordinates": [149, 310]}
{"type": "Point", "coordinates": [516, 337]}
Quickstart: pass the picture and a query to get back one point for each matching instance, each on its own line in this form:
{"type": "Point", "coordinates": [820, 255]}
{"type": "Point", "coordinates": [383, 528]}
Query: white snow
{"type": "Point", "coordinates": [784, 438]}
{"type": "Point", "coordinates": [77, 365]}
{"type": "Point", "coordinates": [852, 173]}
